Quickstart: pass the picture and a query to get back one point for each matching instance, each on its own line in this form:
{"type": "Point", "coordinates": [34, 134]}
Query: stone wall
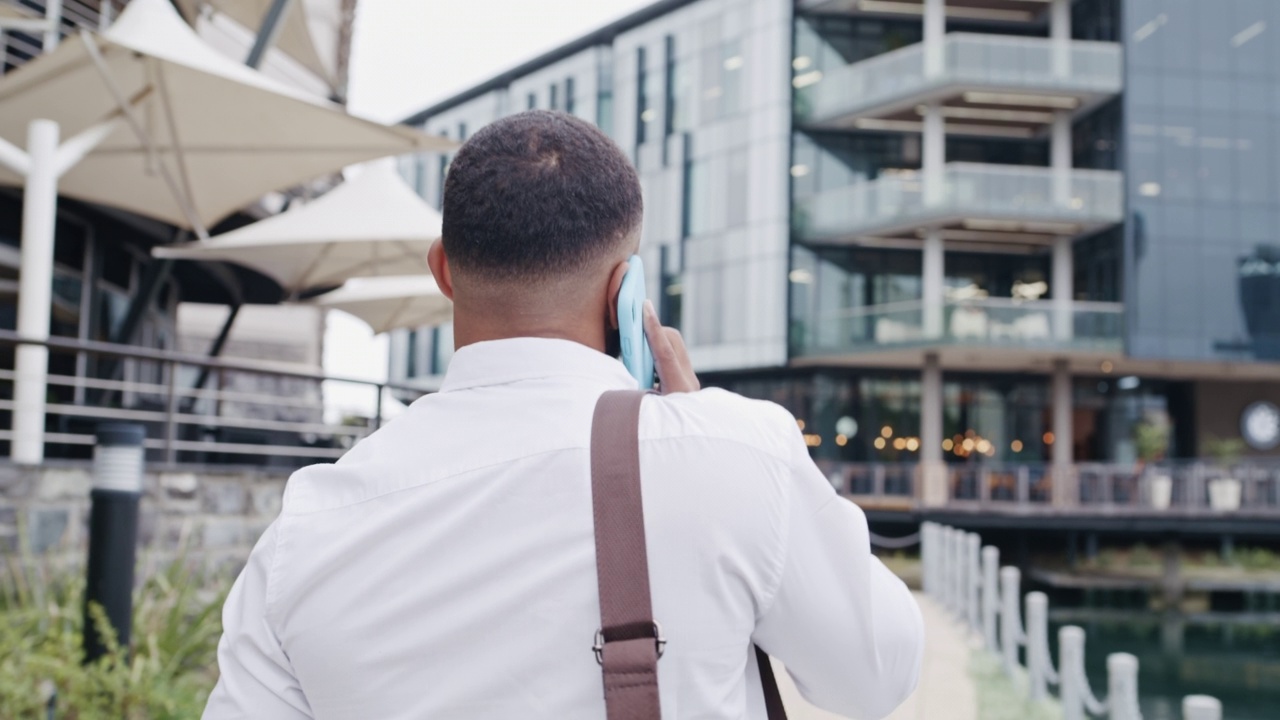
{"type": "Point", "coordinates": [209, 513]}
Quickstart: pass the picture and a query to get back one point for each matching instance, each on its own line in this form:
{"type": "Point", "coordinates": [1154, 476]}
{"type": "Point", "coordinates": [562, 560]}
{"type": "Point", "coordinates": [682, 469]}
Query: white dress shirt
{"type": "Point", "coordinates": [445, 566]}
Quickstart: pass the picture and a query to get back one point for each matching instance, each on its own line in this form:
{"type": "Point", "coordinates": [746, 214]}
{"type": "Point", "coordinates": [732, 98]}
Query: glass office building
{"type": "Point", "coordinates": [945, 231]}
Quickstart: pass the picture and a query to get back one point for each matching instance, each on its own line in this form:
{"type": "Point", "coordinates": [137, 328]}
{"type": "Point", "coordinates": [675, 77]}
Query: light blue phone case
{"type": "Point", "coordinates": [636, 355]}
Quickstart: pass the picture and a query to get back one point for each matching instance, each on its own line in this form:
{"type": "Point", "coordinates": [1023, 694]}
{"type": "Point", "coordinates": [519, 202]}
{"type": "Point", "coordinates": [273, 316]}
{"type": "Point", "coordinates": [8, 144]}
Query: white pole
{"type": "Point", "coordinates": [990, 596]}
{"type": "Point", "coordinates": [1201, 707]}
{"type": "Point", "coordinates": [1010, 630]}
{"type": "Point", "coordinates": [961, 559]}
{"type": "Point", "coordinates": [1122, 686]}
{"type": "Point", "coordinates": [935, 28]}
{"type": "Point", "coordinates": [1038, 644]}
{"type": "Point", "coordinates": [53, 35]}
{"type": "Point", "coordinates": [974, 581]}
{"type": "Point", "coordinates": [929, 558]}
{"type": "Point", "coordinates": [1060, 37]}
{"type": "Point", "coordinates": [35, 292]}
{"type": "Point", "coordinates": [1071, 668]}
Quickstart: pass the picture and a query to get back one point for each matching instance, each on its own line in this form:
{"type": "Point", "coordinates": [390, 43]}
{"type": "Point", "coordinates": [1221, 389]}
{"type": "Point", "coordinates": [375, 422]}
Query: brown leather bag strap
{"type": "Point", "coordinates": [629, 642]}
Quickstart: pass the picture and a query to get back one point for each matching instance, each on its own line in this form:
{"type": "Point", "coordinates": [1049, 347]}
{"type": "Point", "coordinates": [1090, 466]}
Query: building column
{"type": "Point", "coordinates": [1060, 35]}
{"type": "Point", "coordinates": [933, 471]}
{"type": "Point", "coordinates": [933, 155]}
{"type": "Point", "coordinates": [35, 292]}
{"type": "Point", "coordinates": [1062, 288]}
{"type": "Point", "coordinates": [1060, 153]}
{"type": "Point", "coordinates": [1064, 480]}
{"type": "Point", "coordinates": [932, 283]}
{"type": "Point", "coordinates": [935, 28]}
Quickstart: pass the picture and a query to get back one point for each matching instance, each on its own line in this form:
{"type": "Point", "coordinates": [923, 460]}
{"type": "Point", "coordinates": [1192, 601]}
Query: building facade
{"type": "Point", "coordinates": [946, 232]}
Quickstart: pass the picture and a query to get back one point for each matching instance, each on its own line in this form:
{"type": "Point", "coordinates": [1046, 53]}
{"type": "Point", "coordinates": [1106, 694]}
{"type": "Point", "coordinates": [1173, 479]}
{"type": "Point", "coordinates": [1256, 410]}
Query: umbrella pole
{"type": "Point", "coordinates": [268, 31]}
{"type": "Point", "coordinates": [35, 292]}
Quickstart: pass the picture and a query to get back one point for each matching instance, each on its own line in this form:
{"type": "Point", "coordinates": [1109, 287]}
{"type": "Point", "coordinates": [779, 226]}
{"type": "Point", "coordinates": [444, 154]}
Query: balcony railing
{"type": "Point", "coordinates": [969, 190]}
{"type": "Point", "coordinates": [1185, 488]}
{"type": "Point", "coordinates": [999, 322]}
{"type": "Point", "coordinates": [971, 61]}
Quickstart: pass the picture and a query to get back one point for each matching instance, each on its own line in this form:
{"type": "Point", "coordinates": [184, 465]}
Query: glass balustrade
{"type": "Point", "coordinates": [1000, 322]}
{"type": "Point", "coordinates": [1003, 62]}
{"type": "Point", "coordinates": [969, 190]}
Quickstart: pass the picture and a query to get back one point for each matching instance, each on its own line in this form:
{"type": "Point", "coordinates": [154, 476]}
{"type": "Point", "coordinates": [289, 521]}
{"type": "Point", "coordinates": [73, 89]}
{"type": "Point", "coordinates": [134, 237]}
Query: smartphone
{"type": "Point", "coordinates": [635, 353]}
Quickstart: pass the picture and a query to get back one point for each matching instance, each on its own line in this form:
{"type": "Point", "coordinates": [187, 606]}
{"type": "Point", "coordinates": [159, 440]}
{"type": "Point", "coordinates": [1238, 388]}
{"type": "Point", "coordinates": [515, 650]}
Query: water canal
{"type": "Point", "coordinates": [1234, 657]}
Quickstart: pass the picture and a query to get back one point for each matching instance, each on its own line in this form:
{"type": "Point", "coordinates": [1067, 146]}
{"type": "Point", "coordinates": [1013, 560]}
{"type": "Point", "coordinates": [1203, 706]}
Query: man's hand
{"type": "Point", "coordinates": [675, 372]}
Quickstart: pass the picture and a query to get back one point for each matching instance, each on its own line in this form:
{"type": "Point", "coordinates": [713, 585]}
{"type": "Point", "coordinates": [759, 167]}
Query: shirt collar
{"type": "Point", "coordinates": [497, 362]}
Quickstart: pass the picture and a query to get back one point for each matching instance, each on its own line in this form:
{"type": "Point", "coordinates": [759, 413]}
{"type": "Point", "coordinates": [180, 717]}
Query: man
{"type": "Point", "coordinates": [445, 567]}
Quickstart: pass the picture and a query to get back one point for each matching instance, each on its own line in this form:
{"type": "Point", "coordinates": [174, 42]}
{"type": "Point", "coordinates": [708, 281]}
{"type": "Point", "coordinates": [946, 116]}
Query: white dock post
{"type": "Point", "coordinates": [946, 571]}
{"type": "Point", "coordinates": [929, 559]}
{"type": "Point", "coordinates": [990, 596]}
{"type": "Point", "coordinates": [973, 581]}
{"type": "Point", "coordinates": [1071, 667]}
{"type": "Point", "coordinates": [1039, 666]}
{"type": "Point", "coordinates": [1201, 707]}
{"type": "Point", "coordinates": [1122, 687]}
{"type": "Point", "coordinates": [1010, 625]}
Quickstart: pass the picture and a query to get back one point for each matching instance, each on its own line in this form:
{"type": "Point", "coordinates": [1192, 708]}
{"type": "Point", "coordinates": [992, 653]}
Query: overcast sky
{"type": "Point", "coordinates": [406, 55]}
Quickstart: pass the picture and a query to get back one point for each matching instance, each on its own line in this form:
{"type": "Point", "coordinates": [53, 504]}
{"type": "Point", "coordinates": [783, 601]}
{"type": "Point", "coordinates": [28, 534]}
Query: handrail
{"type": "Point", "coordinates": [133, 352]}
{"type": "Point", "coordinates": [259, 413]}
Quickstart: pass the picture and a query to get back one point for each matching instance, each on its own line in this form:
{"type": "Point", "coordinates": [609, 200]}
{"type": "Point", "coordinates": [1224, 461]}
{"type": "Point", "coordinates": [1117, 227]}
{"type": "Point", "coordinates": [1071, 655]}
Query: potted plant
{"type": "Point", "coordinates": [1152, 443]}
{"type": "Point", "coordinates": [1224, 491]}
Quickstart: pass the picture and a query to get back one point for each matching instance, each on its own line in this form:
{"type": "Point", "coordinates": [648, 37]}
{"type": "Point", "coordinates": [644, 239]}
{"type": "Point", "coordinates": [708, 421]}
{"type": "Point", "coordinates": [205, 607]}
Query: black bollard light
{"type": "Point", "coordinates": [113, 532]}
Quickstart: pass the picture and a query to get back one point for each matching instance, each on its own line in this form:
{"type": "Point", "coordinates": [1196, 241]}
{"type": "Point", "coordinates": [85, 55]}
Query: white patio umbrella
{"type": "Point", "coordinates": [391, 303]}
{"type": "Point", "coordinates": [308, 31]}
{"type": "Point", "coordinates": [372, 224]}
{"type": "Point", "coordinates": [159, 124]}
{"type": "Point", "coordinates": [176, 131]}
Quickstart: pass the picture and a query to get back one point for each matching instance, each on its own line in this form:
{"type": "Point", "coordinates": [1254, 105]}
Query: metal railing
{"type": "Point", "coordinates": [967, 580]}
{"type": "Point", "coordinates": [894, 202]}
{"type": "Point", "coordinates": [76, 15]}
{"type": "Point", "coordinates": [996, 322]}
{"type": "Point", "coordinates": [1005, 62]}
{"type": "Point", "coordinates": [1186, 487]}
{"type": "Point", "coordinates": [246, 411]}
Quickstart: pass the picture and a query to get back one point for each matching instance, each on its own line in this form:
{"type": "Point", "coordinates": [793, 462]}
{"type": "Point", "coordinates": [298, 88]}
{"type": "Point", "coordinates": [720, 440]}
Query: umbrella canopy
{"type": "Point", "coordinates": [184, 134]}
{"type": "Point", "coordinates": [308, 31]}
{"type": "Point", "coordinates": [391, 303]}
{"type": "Point", "coordinates": [372, 224]}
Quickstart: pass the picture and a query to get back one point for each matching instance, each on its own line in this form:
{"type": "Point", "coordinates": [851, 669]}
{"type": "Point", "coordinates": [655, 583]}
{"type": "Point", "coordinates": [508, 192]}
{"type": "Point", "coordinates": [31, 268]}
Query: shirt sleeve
{"type": "Point", "coordinates": [847, 629]}
{"type": "Point", "coordinates": [256, 679]}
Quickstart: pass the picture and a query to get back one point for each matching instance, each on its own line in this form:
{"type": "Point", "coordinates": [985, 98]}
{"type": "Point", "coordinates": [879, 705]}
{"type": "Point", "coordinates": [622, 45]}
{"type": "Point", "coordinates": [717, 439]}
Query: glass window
{"type": "Point", "coordinates": [411, 355]}
{"type": "Point", "coordinates": [569, 99]}
{"type": "Point", "coordinates": [553, 97]}
{"type": "Point", "coordinates": [644, 113]}
{"type": "Point", "coordinates": [604, 92]}
{"type": "Point", "coordinates": [532, 101]}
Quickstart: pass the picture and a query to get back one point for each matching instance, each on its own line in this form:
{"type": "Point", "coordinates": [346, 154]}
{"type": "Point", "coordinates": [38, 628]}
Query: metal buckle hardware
{"type": "Point", "coordinates": [659, 641]}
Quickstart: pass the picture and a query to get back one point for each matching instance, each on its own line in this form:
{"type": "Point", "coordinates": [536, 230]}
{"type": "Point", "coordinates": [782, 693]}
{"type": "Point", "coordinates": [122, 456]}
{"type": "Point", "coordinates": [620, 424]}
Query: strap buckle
{"type": "Point", "coordinates": [660, 642]}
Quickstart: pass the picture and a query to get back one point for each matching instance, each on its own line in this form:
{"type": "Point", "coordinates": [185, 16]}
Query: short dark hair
{"type": "Point", "coordinates": [536, 195]}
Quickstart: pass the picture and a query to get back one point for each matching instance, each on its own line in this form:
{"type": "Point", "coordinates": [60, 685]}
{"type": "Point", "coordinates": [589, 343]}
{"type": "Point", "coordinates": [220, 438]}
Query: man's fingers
{"type": "Point", "coordinates": [675, 372]}
{"type": "Point", "coordinates": [682, 356]}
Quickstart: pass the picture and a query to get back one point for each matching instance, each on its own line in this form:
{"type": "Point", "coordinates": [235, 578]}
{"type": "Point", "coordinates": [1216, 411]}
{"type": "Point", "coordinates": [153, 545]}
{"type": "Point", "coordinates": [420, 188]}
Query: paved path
{"type": "Point", "coordinates": [946, 690]}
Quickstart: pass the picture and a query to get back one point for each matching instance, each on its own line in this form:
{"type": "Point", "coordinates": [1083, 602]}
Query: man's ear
{"type": "Point", "coordinates": [439, 264]}
{"type": "Point", "coordinates": [615, 286]}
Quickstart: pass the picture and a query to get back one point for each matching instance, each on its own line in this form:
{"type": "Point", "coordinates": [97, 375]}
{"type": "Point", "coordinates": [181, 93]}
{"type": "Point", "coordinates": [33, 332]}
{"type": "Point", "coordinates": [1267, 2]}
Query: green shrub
{"type": "Point", "coordinates": [166, 673]}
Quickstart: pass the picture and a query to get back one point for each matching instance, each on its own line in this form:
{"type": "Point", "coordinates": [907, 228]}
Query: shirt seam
{"type": "Point", "coordinates": [477, 468]}
{"type": "Point", "coordinates": [780, 565]}
{"type": "Point", "coordinates": [446, 388]}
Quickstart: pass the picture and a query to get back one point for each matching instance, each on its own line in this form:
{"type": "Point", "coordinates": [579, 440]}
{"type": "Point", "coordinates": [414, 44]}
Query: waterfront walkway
{"type": "Point", "coordinates": [946, 689]}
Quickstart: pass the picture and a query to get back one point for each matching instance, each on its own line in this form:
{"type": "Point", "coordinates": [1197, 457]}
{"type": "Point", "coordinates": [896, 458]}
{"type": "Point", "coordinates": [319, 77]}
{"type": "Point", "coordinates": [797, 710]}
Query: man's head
{"type": "Point", "coordinates": [541, 211]}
